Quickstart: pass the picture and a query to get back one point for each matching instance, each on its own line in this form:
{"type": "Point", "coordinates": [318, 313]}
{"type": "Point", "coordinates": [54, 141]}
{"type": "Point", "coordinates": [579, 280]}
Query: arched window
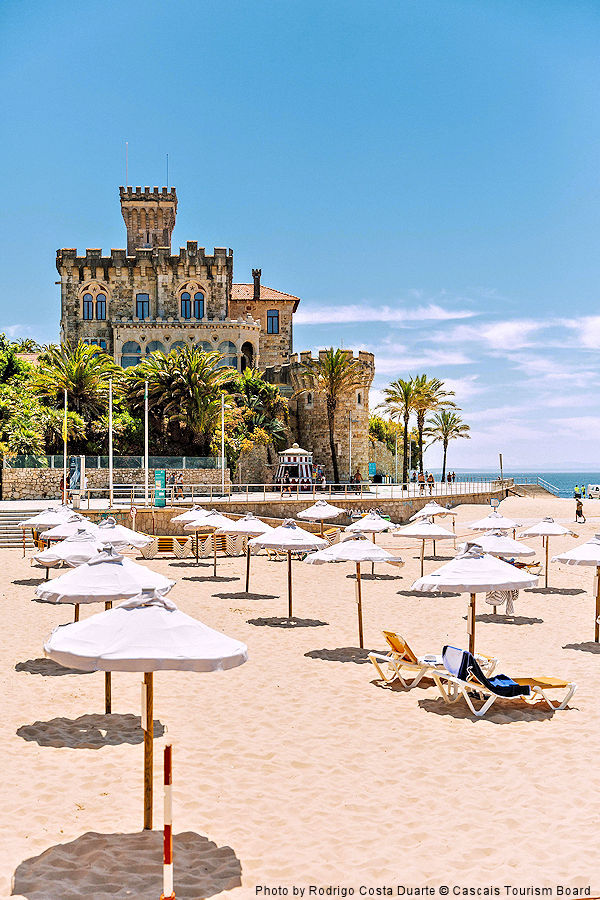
{"type": "Point", "coordinates": [142, 306]}
{"type": "Point", "coordinates": [309, 399]}
{"type": "Point", "coordinates": [272, 321]}
{"type": "Point", "coordinates": [247, 355]}
{"type": "Point", "coordinates": [199, 305]}
{"type": "Point", "coordinates": [88, 306]}
{"type": "Point", "coordinates": [101, 306]}
{"type": "Point", "coordinates": [131, 354]}
{"type": "Point", "coordinates": [205, 346]}
{"type": "Point", "coordinates": [177, 345]}
{"type": "Point", "coordinates": [186, 306]}
{"type": "Point", "coordinates": [154, 346]}
{"type": "Point", "coordinates": [229, 351]}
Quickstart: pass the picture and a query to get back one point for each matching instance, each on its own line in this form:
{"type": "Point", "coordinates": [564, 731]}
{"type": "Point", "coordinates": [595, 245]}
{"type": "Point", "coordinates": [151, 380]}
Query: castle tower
{"type": "Point", "coordinates": [149, 217]}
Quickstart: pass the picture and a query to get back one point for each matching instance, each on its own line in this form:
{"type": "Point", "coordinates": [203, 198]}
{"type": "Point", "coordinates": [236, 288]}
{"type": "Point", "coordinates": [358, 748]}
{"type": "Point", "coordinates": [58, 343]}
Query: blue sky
{"type": "Point", "coordinates": [424, 175]}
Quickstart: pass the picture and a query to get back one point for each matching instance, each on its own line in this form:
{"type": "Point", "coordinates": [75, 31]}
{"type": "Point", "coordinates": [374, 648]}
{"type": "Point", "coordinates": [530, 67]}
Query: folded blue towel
{"type": "Point", "coordinates": [462, 664]}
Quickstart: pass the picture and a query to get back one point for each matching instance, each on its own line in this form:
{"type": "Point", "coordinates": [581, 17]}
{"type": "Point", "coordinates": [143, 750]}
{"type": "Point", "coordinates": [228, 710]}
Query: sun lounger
{"type": "Point", "coordinates": [463, 677]}
{"type": "Point", "coordinates": [401, 662]}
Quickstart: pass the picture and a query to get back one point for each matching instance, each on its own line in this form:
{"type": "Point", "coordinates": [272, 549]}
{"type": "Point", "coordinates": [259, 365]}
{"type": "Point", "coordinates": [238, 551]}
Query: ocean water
{"type": "Point", "coordinates": [564, 481]}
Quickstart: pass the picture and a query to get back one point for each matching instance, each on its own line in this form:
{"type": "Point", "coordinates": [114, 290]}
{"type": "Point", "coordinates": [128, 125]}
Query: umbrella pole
{"type": "Point", "coordinates": [289, 555]}
{"type": "Point", "coordinates": [214, 555]}
{"type": "Point", "coordinates": [196, 534]}
{"type": "Point", "coordinates": [247, 567]}
{"type": "Point", "coordinates": [422, 557]}
{"type": "Point", "coordinates": [359, 604]}
{"type": "Point", "coordinates": [47, 573]}
{"type": "Point", "coordinates": [148, 748]}
{"type": "Point", "coordinates": [471, 620]}
{"type": "Point", "coordinates": [373, 564]}
{"type": "Point", "coordinates": [596, 623]}
{"type": "Point", "coordinates": [546, 578]}
{"type": "Point", "coordinates": [322, 534]}
{"type": "Point", "coordinates": [434, 548]}
{"type": "Point", "coordinates": [76, 615]}
{"type": "Point", "coordinates": [108, 678]}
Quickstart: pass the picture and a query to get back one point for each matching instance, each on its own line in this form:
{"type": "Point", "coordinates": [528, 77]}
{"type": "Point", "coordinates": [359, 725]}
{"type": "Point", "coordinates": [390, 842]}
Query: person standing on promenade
{"type": "Point", "coordinates": [421, 484]}
{"type": "Point", "coordinates": [576, 492]}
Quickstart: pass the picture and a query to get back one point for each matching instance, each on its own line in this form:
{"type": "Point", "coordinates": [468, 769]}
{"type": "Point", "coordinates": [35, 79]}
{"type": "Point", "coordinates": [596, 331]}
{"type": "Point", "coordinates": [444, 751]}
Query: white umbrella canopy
{"type": "Point", "coordinates": [190, 514]}
{"type": "Point", "coordinates": [289, 537]}
{"type": "Point", "coordinates": [48, 518]}
{"type": "Point", "coordinates": [494, 521]}
{"type": "Point", "coordinates": [106, 578]}
{"type": "Point", "coordinates": [472, 572]}
{"type": "Point", "coordinates": [75, 550]}
{"type": "Point", "coordinates": [372, 523]}
{"type": "Point", "coordinates": [144, 635]}
{"type": "Point", "coordinates": [425, 529]}
{"type": "Point", "coordinates": [587, 554]}
{"type": "Point", "coordinates": [497, 543]}
{"type": "Point", "coordinates": [357, 548]}
{"type": "Point", "coordinates": [432, 508]}
{"type": "Point", "coordinates": [209, 521]}
{"type": "Point", "coordinates": [68, 528]}
{"type": "Point", "coordinates": [546, 529]}
{"type": "Point", "coordinates": [248, 526]}
{"type": "Point", "coordinates": [119, 536]}
{"type": "Point", "coordinates": [320, 511]}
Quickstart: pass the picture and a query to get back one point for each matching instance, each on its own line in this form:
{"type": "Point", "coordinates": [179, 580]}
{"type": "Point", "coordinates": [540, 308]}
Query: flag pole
{"type": "Point", "coordinates": [146, 443]}
{"type": "Point", "coordinates": [65, 452]}
{"type": "Point", "coordinates": [110, 444]}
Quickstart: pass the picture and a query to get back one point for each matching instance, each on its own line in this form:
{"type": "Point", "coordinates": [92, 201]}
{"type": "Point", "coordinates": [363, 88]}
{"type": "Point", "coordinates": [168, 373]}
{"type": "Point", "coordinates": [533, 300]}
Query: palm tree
{"type": "Point", "coordinates": [334, 373]}
{"type": "Point", "coordinates": [82, 370]}
{"type": "Point", "coordinates": [184, 390]}
{"type": "Point", "coordinates": [430, 396]}
{"type": "Point", "coordinates": [446, 426]}
{"type": "Point", "coordinates": [399, 400]}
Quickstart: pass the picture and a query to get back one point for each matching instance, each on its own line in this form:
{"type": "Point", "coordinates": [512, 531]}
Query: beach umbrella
{"type": "Point", "coordinates": [320, 511]}
{"type": "Point", "coordinates": [107, 578]}
{"type": "Point", "coordinates": [80, 548]}
{"type": "Point", "coordinates": [546, 529]}
{"type": "Point", "coordinates": [497, 543]}
{"type": "Point", "coordinates": [472, 572]}
{"type": "Point", "coordinates": [289, 537]}
{"type": "Point", "coordinates": [190, 514]}
{"type": "Point", "coordinates": [371, 524]}
{"type": "Point", "coordinates": [248, 526]}
{"type": "Point", "coordinates": [68, 528]}
{"type": "Point", "coordinates": [53, 515]}
{"type": "Point", "coordinates": [587, 554]}
{"type": "Point", "coordinates": [119, 536]}
{"type": "Point", "coordinates": [425, 529]}
{"type": "Point", "coordinates": [209, 521]}
{"type": "Point", "coordinates": [432, 508]}
{"type": "Point", "coordinates": [494, 521]}
{"type": "Point", "coordinates": [144, 634]}
{"type": "Point", "coordinates": [357, 549]}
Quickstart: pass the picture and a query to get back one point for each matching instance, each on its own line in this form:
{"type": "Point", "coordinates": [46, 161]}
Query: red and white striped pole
{"type": "Point", "coordinates": [168, 892]}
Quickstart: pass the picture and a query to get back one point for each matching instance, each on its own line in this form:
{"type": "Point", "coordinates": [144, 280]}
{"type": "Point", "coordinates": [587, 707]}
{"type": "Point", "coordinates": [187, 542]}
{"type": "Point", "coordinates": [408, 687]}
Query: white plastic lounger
{"type": "Point", "coordinates": [401, 662]}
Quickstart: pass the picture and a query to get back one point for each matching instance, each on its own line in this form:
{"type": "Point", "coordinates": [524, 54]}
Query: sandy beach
{"type": "Point", "coordinates": [299, 768]}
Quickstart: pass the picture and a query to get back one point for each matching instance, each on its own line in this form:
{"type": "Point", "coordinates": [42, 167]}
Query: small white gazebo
{"type": "Point", "coordinates": [356, 548]}
{"type": "Point", "coordinates": [144, 635]}
{"type": "Point", "coordinates": [587, 554]}
{"type": "Point", "coordinates": [296, 463]}
{"type": "Point", "coordinates": [471, 573]}
{"type": "Point", "coordinates": [425, 529]}
{"type": "Point", "coordinates": [546, 529]}
{"type": "Point", "coordinates": [248, 526]}
{"type": "Point", "coordinates": [289, 538]}
{"type": "Point", "coordinates": [320, 511]}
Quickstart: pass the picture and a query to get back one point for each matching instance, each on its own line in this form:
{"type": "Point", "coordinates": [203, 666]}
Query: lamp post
{"type": "Point", "coordinates": [110, 444]}
{"type": "Point", "coordinates": [146, 443]}
{"type": "Point", "coordinates": [223, 444]}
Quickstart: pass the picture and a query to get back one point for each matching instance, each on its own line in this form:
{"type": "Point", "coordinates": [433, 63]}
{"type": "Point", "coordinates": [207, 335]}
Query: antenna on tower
{"type": "Point", "coordinates": [167, 171]}
{"type": "Point", "coordinates": [126, 163]}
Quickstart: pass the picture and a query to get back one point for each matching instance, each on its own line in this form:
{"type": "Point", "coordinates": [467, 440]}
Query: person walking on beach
{"type": "Point", "coordinates": [579, 516]}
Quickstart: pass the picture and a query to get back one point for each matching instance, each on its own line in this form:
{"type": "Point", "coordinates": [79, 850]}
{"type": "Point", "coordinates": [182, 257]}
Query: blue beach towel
{"type": "Point", "coordinates": [463, 664]}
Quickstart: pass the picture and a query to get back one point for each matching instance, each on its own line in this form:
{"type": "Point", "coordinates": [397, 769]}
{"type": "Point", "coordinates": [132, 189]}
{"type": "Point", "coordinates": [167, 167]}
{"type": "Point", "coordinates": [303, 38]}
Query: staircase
{"type": "Point", "coordinates": [11, 536]}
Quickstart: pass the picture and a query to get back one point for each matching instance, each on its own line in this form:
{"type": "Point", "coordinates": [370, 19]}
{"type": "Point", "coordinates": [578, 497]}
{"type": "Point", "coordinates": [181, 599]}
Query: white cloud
{"type": "Point", "coordinates": [358, 314]}
{"type": "Point", "coordinates": [16, 331]}
{"type": "Point", "coordinates": [401, 366]}
{"type": "Point", "coordinates": [587, 329]}
{"type": "Point", "coordinates": [507, 334]}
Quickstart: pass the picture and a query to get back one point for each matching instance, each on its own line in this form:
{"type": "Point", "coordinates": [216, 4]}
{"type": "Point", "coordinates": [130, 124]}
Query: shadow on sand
{"type": "Point", "coordinates": [29, 582]}
{"type": "Point", "coordinates": [89, 732]}
{"type": "Point", "coordinates": [500, 713]}
{"type": "Point", "coordinates": [567, 592]}
{"type": "Point", "coordinates": [242, 595]}
{"type": "Point", "coordinates": [284, 622]}
{"type": "Point", "coordinates": [586, 646]}
{"type": "Point", "coordinates": [213, 578]}
{"type": "Point", "coordinates": [506, 620]}
{"type": "Point", "coordinates": [343, 654]}
{"type": "Point", "coordinates": [376, 576]}
{"type": "Point", "coordinates": [46, 667]}
{"type": "Point", "coordinates": [433, 594]}
{"type": "Point", "coordinates": [113, 866]}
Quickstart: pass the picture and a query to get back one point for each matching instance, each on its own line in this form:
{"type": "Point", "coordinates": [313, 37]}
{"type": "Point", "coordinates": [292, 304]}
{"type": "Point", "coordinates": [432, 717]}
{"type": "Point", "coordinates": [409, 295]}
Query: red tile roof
{"type": "Point", "coordinates": [246, 292]}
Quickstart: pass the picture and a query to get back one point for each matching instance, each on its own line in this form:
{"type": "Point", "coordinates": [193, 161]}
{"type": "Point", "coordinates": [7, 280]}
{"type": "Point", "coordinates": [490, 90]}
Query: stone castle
{"type": "Point", "coordinates": [144, 299]}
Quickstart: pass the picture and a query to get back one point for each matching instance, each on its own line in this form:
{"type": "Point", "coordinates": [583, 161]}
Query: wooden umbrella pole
{"type": "Point", "coordinates": [434, 548]}
{"type": "Point", "coordinates": [247, 567]}
{"type": "Point", "coordinates": [47, 573]}
{"type": "Point", "coordinates": [471, 620]}
{"type": "Point", "coordinates": [422, 557]}
{"type": "Point", "coordinates": [76, 614]}
{"type": "Point", "coordinates": [289, 555]}
{"type": "Point", "coordinates": [108, 678]}
{"type": "Point", "coordinates": [596, 623]}
{"type": "Point", "coordinates": [196, 534]}
{"type": "Point", "coordinates": [148, 749]}
{"type": "Point", "coordinates": [359, 605]}
{"type": "Point", "coordinates": [322, 534]}
{"type": "Point", "coordinates": [373, 564]}
{"type": "Point", "coordinates": [214, 555]}
{"type": "Point", "coordinates": [547, 547]}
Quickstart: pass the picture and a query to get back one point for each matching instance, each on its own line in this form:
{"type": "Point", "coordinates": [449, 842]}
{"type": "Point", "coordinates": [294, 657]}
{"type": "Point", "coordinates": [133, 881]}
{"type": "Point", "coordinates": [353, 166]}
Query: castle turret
{"type": "Point", "coordinates": [149, 216]}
